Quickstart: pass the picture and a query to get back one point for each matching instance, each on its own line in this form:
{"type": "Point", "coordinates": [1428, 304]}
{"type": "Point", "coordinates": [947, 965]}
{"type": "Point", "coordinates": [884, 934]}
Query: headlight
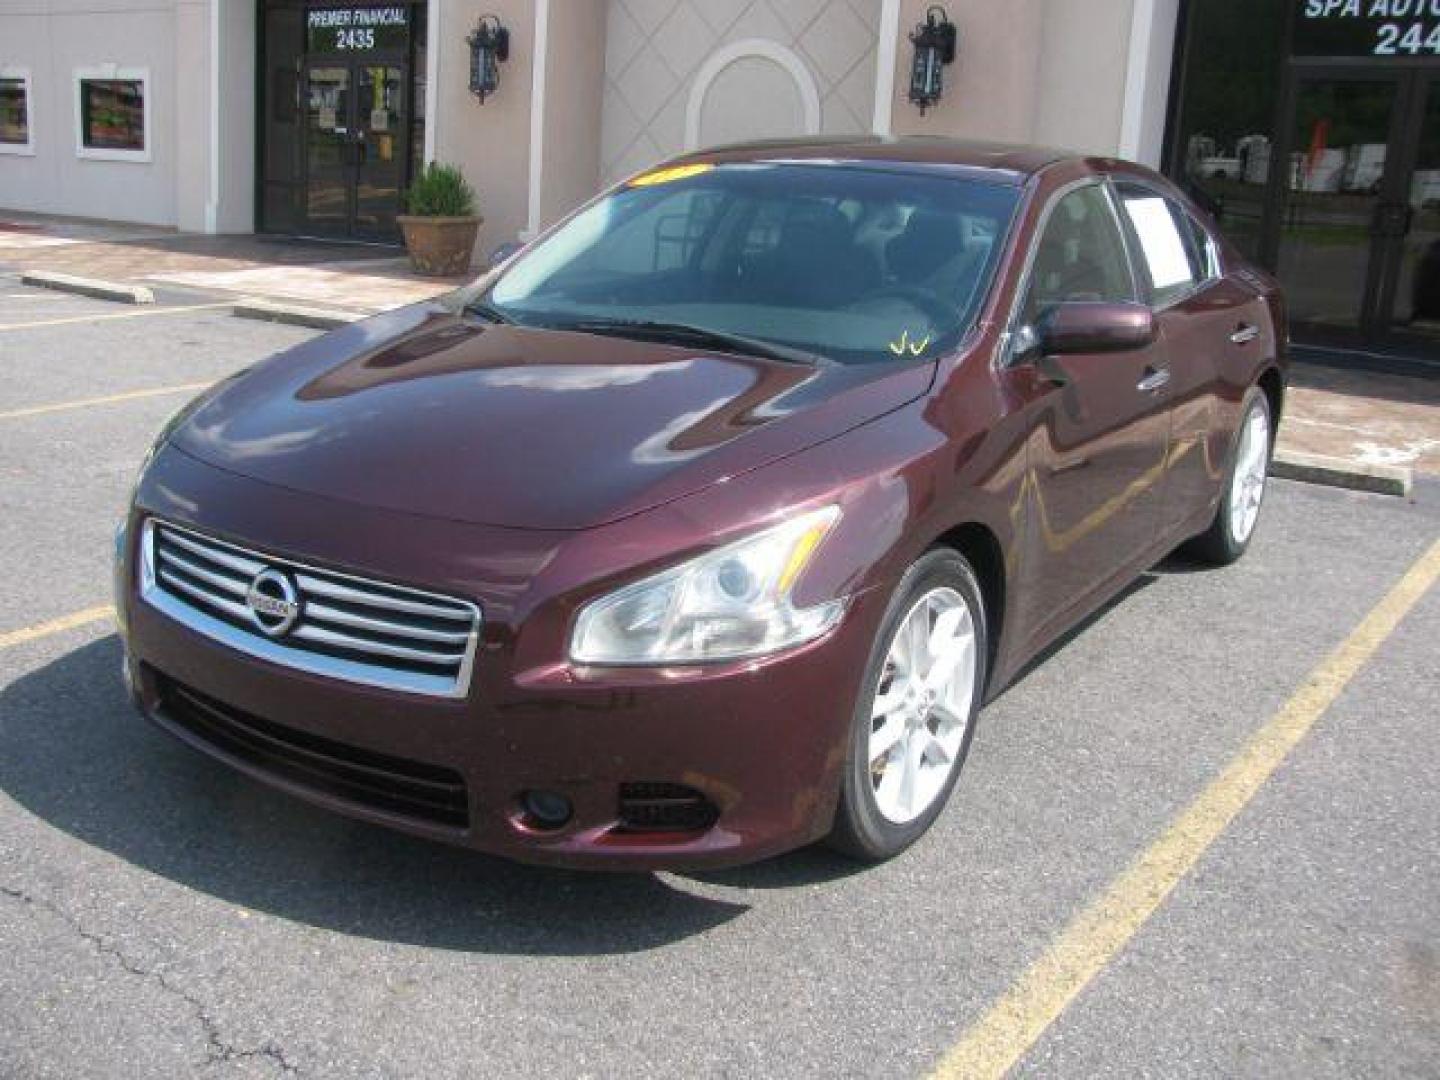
{"type": "Point", "coordinates": [731, 603]}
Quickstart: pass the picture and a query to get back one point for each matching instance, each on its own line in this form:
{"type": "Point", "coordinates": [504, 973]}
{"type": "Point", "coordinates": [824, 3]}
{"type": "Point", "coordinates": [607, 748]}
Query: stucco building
{"type": "Point", "coordinates": [309, 117]}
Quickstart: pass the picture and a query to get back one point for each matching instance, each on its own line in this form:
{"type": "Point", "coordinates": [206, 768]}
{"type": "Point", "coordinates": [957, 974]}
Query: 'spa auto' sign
{"type": "Point", "coordinates": [1380, 28]}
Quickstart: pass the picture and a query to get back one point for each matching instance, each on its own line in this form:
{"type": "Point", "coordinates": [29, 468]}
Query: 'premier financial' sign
{"type": "Point", "coordinates": [1382, 28]}
{"type": "Point", "coordinates": [357, 29]}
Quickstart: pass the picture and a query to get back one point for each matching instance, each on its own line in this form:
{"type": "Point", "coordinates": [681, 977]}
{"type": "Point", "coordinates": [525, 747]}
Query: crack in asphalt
{"type": "Point", "coordinates": [218, 1050]}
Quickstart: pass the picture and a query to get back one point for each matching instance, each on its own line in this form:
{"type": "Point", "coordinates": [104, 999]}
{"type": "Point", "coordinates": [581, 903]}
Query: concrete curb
{"type": "Point", "coordinates": [1343, 473]}
{"type": "Point", "coordinates": [92, 287]}
{"type": "Point", "coordinates": [294, 314]}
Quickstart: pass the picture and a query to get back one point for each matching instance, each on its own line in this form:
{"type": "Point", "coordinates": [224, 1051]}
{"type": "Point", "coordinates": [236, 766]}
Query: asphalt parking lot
{"type": "Point", "coordinates": [1197, 840]}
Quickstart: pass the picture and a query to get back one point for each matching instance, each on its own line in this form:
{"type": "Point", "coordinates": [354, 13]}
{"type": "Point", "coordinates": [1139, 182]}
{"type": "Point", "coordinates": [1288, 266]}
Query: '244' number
{"type": "Point", "coordinates": [1390, 41]}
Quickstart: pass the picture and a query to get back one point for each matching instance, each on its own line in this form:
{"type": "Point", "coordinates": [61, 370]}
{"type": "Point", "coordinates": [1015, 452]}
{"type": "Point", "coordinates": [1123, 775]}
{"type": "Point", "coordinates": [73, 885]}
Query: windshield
{"type": "Point", "coordinates": [844, 263]}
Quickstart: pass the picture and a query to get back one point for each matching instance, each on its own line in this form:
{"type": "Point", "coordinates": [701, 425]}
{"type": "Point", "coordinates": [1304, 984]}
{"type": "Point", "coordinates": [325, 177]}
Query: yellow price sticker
{"type": "Point", "coordinates": [665, 176]}
{"type": "Point", "coordinates": [904, 345]}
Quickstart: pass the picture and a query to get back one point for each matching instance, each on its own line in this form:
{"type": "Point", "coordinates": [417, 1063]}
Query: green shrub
{"type": "Point", "coordinates": [441, 191]}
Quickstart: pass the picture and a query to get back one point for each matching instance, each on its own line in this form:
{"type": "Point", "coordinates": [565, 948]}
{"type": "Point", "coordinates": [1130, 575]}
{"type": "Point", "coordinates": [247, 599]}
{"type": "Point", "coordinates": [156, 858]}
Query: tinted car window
{"type": "Point", "coordinates": [1167, 254]}
{"type": "Point", "coordinates": [1080, 255]}
{"type": "Point", "coordinates": [855, 265]}
{"type": "Point", "coordinates": [663, 237]}
{"type": "Point", "coordinates": [1207, 254]}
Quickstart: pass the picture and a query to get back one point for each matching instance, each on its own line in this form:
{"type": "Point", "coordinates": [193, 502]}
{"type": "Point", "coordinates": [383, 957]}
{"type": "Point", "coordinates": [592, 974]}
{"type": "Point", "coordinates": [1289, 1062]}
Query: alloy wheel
{"type": "Point", "coordinates": [922, 705]}
{"type": "Point", "coordinates": [1247, 486]}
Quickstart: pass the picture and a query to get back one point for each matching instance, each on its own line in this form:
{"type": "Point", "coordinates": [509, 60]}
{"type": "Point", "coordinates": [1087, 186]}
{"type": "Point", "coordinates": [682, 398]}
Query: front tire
{"type": "Point", "coordinates": [1229, 535]}
{"type": "Point", "coordinates": [916, 714]}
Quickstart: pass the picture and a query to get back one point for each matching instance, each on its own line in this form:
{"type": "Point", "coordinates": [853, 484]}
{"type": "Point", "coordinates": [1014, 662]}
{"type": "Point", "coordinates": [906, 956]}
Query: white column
{"type": "Point", "coordinates": [212, 196]}
{"type": "Point", "coordinates": [433, 37]}
{"type": "Point", "coordinates": [537, 116]}
{"type": "Point", "coordinates": [1147, 79]}
{"type": "Point", "coordinates": [887, 48]}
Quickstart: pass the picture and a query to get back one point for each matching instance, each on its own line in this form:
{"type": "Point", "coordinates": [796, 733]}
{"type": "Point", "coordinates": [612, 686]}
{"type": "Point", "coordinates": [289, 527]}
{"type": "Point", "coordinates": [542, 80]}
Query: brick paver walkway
{"type": "Point", "coordinates": [352, 276]}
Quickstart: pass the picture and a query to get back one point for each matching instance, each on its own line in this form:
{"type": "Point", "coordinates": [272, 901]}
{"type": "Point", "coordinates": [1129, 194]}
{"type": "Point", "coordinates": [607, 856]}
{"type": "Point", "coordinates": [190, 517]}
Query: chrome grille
{"type": "Point", "coordinates": [315, 620]}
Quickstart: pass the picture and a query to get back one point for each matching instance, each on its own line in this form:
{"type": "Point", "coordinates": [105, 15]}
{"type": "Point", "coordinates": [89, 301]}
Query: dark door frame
{"type": "Point", "coordinates": [1412, 80]}
{"type": "Point", "coordinates": [293, 177]}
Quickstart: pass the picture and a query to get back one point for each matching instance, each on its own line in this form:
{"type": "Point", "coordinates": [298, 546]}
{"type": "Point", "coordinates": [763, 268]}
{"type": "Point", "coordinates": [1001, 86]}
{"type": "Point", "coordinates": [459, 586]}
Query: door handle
{"type": "Point", "coordinates": [1244, 334]}
{"type": "Point", "coordinates": [1154, 381]}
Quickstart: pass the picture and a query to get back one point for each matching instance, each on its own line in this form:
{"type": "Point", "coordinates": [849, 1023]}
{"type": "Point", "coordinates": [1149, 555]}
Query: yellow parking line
{"type": "Point", "coordinates": [1087, 945]}
{"type": "Point", "coordinates": [112, 399]}
{"type": "Point", "coordinates": [55, 626]}
{"type": "Point", "coordinates": [137, 314]}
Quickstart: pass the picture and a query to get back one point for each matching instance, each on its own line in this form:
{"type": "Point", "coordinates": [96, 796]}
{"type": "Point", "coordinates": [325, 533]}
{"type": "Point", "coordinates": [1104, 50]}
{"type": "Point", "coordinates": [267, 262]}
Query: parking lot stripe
{"type": "Point", "coordinates": [111, 399]}
{"type": "Point", "coordinates": [992, 1046]}
{"type": "Point", "coordinates": [139, 314]}
{"type": "Point", "coordinates": [11, 638]}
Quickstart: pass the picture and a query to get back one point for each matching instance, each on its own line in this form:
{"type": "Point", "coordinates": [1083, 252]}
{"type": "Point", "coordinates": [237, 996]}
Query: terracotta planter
{"type": "Point", "coordinates": [440, 246]}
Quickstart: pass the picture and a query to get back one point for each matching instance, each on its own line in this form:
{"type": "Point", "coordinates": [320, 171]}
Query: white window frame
{"type": "Point", "coordinates": [27, 148]}
{"type": "Point", "coordinates": [107, 72]}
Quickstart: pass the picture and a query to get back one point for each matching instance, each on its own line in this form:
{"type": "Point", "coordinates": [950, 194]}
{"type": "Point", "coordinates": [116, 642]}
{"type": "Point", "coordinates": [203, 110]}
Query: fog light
{"type": "Point", "coordinates": [546, 809]}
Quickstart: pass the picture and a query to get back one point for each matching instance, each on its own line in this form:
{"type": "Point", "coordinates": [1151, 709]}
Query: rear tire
{"type": "Point", "coordinates": [1229, 535]}
{"type": "Point", "coordinates": [915, 717]}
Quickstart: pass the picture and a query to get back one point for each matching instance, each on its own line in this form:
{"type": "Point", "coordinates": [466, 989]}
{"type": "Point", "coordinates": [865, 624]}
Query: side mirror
{"type": "Point", "coordinates": [1086, 326]}
{"type": "Point", "coordinates": [504, 251]}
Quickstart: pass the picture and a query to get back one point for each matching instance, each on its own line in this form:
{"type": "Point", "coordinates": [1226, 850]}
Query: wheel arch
{"type": "Point", "coordinates": [1273, 385]}
{"type": "Point", "coordinates": [981, 548]}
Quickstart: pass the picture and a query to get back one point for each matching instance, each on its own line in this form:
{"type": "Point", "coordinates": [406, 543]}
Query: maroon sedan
{"type": "Point", "coordinates": [700, 530]}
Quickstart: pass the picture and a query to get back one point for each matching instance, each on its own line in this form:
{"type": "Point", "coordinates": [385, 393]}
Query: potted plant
{"type": "Point", "coordinates": [442, 224]}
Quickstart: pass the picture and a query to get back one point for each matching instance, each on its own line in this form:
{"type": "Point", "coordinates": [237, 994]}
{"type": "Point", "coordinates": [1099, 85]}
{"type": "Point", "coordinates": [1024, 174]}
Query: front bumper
{"type": "Point", "coordinates": [764, 742]}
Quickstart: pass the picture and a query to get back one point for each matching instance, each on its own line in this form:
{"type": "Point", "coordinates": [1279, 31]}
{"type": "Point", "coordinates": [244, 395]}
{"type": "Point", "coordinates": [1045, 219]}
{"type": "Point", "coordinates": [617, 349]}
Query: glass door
{"type": "Point", "coordinates": [329, 182]}
{"type": "Point", "coordinates": [355, 149]}
{"type": "Point", "coordinates": [380, 130]}
{"type": "Point", "coordinates": [1412, 299]}
{"type": "Point", "coordinates": [1336, 209]}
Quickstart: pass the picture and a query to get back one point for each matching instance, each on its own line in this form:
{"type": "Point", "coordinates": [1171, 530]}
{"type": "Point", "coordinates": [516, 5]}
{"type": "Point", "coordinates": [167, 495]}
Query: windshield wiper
{"type": "Point", "coordinates": [684, 333]}
{"type": "Point", "coordinates": [487, 311]}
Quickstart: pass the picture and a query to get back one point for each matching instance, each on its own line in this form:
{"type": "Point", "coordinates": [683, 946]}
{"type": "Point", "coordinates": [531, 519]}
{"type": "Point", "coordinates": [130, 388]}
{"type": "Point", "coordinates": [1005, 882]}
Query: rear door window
{"type": "Point", "coordinates": [1207, 252]}
{"type": "Point", "coordinates": [1166, 252]}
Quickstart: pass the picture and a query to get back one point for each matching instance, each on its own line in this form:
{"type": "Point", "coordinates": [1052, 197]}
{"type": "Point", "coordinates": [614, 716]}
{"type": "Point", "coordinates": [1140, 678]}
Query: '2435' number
{"type": "Point", "coordinates": [355, 39]}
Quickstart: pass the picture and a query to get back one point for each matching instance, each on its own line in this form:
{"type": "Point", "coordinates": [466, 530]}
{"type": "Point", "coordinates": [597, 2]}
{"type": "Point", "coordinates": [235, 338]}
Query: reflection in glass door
{"type": "Point", "coordinates": [327, 150]}
{"type": "Point", "coordinates": [1416, 296]}
{"type": "Point", "coordinates": [1336, 201]}
{"type": "Point", "coordinates": [355, 158]}
{"type": "Point", "coordinates": [380, 139]}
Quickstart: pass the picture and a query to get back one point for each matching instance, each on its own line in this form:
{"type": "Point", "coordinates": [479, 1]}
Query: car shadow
{"type": "Point", "coordinates": [1140, 584]}
{"type": "Point", "coordinates": [1180, 562]}
{"type": "Point", "coordinates": [76, 755]}
{"type": "Point", "coordinates": [814, 865]}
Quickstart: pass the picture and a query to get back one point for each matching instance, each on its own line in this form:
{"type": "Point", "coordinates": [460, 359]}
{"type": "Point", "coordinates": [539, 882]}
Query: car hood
{"type": "Point", "coordinates": [428, 412]}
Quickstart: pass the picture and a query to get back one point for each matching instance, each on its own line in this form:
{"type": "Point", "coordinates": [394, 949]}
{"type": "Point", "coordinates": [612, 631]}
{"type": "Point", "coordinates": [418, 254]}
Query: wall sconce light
{"type": "Point", "coordinates": [935, 40]}
{"type": "Point", "coordinates": [489, 48]}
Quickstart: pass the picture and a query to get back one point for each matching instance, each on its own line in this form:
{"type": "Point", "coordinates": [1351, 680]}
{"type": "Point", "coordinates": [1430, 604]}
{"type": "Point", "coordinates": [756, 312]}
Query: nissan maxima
{"type": "Point", "coordinates": [702, 527]}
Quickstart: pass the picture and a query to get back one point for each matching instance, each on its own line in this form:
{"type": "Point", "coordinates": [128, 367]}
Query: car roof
{"type": "Point", "coordinates": [1001, 162]}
